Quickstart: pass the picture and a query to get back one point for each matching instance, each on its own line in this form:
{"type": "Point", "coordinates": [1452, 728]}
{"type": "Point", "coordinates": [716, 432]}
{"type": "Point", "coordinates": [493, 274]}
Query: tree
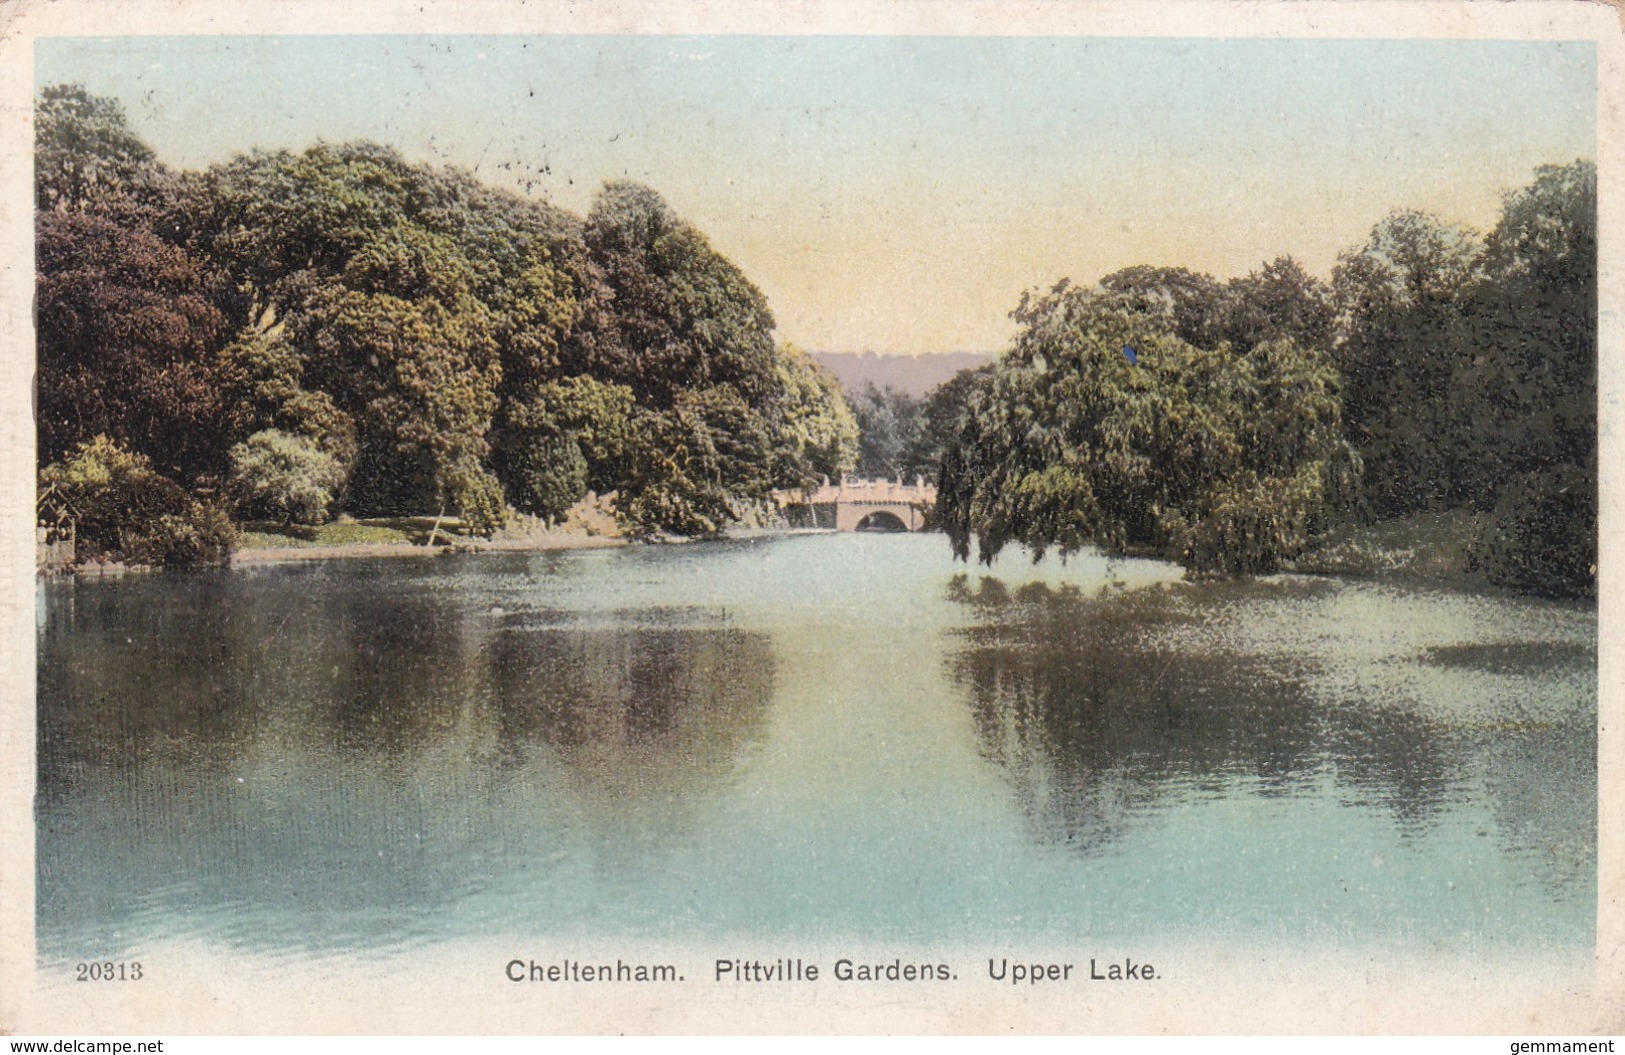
{"type": "Point", "coordinates": [1283, 301]}
{"type": "Point", "coordinates": [699, 466]}
{"type": "Point", "coordinates": [817, 432]}
{"type": "Point", "coordinates": [1412, 260]}
{"type": "Point", "coordinates": [382, 277]}
{"type": "Point", "coordinates": [1539, 293]}
{"type": "Point", "coordinates": [941, 419]}
{"type": "Point", "coordinates": [125, 329]}
{"type": "Point", "coordinates": [1223, 460]}
{"type": "Point", "coordinates": [1400, 304]}
{"type": "Point", "coordinates": [260, 379]}
{"type": "Point", "coordinates": [1190, 305]}
{"type": "Point", "coordinates": [693, 341]}
{"type": "Point", "coordinates": [888, 426]}
{"type": "Point", "coordinates": [560, 438]}
{"type": "Point", "coordinates": [685, 315]}
{"type": "Point", "coordinates": [412, 338]}
{"type": "Point", "coordinates": [420, 378]}
{"type": "Point", "coordinates": [545, 476]}
{"type": "Point", "coordinates": [1542, 535]}
{"type": "Point", "coordinates": [1528, 400]}
{"type": "Point", "coordinates": [85, 153]}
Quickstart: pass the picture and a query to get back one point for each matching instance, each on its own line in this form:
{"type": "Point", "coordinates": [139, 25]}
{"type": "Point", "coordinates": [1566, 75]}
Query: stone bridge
{"type": "Point", "coordinates": [860, 505]}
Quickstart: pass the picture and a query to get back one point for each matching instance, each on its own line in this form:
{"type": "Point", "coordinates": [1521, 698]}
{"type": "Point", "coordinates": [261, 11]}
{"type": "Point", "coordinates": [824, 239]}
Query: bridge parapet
{"type": "Point", "coordinates": [856, 489]}
{"type": "Point", "coordinates": [854, 499]}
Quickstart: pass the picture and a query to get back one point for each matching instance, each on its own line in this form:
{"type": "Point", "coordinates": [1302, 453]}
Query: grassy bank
{"type": "Point", "coordinates": [1428, 547]}
{"type": "Point", "coordinates": [589, 523]}
{"type": "Point", "coordinates": [384, 531]}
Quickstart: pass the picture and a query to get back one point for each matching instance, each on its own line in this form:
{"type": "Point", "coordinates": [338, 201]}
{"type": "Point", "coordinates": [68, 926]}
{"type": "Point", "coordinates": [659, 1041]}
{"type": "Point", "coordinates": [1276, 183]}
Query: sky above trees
{"type": "Point", "coordinates": [897, 194]}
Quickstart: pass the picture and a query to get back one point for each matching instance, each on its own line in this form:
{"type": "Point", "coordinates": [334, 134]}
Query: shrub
{"type": "Point", "coordinates": [546, 477]}
{"type": "Point", "coordinates": [277, 476]}
{"type": "Point", "coordinates": [478, 499]}
{"type": "Point", "coordinates": [122, 509]}
{"type": "Point", "coordinates": [201, 535]}
{"type": "Point", "coordinates": [1542, 537]}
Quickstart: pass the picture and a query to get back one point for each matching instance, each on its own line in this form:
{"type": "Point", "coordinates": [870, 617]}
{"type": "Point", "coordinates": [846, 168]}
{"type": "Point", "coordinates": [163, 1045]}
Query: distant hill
{"type": "Point", "coordinates": [913, 374]}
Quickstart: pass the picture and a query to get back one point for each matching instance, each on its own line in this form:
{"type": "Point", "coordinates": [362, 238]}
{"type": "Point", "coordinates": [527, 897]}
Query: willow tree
{"type": "Point", "coordinates": [1099, 428]}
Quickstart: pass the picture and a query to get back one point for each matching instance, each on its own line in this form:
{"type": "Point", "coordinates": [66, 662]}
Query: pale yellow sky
{"type": "Point", "coordinates": [897, 194]}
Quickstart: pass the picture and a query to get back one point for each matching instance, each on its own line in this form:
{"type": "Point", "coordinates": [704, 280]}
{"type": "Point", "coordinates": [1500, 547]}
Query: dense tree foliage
{"type": "Point", "coordinates": [1533, 382]}
{"type": "Point", "coordinates": [1189, 305]}
{"type": "Point", "coordinates": [1471, 370]}
{"type": "Point", "coordinates": [938, 423]}
{"type": "Point", "coordinates": [561, 437]}
{"type": "Point", "coordinates": [340, 328]}
{"type": "Point", "coordinates": [1400, 297]}
{"type": "Point", "coordinates": [1223, 459]}
{"type": "Point", "coordinates": [1437, 371]}
{"type": "Point", "coordinates": [85, 154]}
{"type": "Point", "coordinates": [901, 437]}
{"type": "Point", "coordinates": [685, 316]}
{"type": "Point", "coordinates": [889, 422]}
{"type": "Point", "coordinates": [1281, 300]}
{"type": "Point", "coordinates": [818, 438]}
{"type": "Point", "coordinates": [125, 326]}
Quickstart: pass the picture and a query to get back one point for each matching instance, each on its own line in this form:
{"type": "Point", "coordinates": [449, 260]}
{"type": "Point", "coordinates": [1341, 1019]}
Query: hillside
{"type": "Point", "coordinates": [914, 375]}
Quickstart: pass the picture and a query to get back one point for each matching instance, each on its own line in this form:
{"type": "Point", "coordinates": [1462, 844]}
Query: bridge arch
{"type": "Point", "coordinates": [849, 515]}
{"type": "Point", "coordinates": [881, 520]}
{"type": "Point", "coordinates": [870, 504]}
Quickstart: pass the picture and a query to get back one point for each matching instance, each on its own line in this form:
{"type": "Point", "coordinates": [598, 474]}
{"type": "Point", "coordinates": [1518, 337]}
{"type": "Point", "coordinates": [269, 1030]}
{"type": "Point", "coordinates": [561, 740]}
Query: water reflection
{"type": "Point", "coordinates": [634, 711]}
{"type": "Point", "coordinates": [804, 736]}
{"type": "Point", "coordinates": [1103, 709]}
{"type": "Point", "coordinates": [347, 766]}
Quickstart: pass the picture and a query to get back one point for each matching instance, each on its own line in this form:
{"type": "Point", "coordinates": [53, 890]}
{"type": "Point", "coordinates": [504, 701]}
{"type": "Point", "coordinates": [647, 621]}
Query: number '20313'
{"type": "Point", "coordinates": [108, 971]}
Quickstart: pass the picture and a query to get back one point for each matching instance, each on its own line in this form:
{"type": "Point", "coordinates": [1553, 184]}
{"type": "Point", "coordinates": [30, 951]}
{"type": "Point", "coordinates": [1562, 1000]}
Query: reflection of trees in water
{"type": "Point", "coordinates": [1393, 757]}
{"type": "Point", "coordinates": [1543, 791]}
{"type": "Point", "coordinates": [1096, 716]}
{"type": "Point", "coordinates": [1538, 761]}
{"type": "Point", "coordinates": [341, 754]}
{"type": "Point", "coordinates": [355, 670]}
{"type": "Point", "coordinates": [633, 709]}
{"type": "Point", "coordinates": [146, 669]}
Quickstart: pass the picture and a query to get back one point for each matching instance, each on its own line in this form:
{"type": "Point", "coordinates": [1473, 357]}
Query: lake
{"type": "Point", "coordinates": [806, 735]}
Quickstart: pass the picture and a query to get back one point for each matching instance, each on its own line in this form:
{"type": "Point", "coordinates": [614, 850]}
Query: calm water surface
{"type": "Point", "coordinates": [825, 736]}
